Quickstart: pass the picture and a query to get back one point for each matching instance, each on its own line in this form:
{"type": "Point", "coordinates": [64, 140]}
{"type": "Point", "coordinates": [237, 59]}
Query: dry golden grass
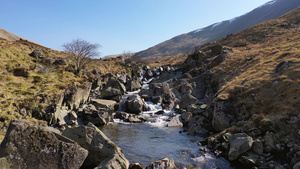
{"type": "Point", "coordinates": [254, 83]}
{"type": "Point", "coordinates": [169, 60]}
{"type": "Point", "coordinates": [30, 92]}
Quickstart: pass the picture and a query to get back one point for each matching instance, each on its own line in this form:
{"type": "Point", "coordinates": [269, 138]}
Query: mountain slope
{"type": "Point", "coordinates": [186, 42]}
{"type": "Point", "coordinates": [8, 35]}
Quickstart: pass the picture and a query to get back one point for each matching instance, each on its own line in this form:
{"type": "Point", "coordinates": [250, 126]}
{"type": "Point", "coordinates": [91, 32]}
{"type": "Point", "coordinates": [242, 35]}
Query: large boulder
{"type": "Point", "coordinates": [187, 100]}
{"type": "Point", "coordinates": [102, 103]}
{"type": "Point", "coordinates": [113, 90]}
{"type": "Point", "coordinates": [133, 85]}
{"type": "Point", "coordinates": [74, 97]}
{"type": "Point", "coordinates": [30, 146]}
{"type": "Point", "coordinates": [239, 144]}
{"type": "Point", "coordinates": [102, 151]}
{"type": "Point", "coordinates": [134, 104]}
{"type": "Point", "coordinates": [164, 163]}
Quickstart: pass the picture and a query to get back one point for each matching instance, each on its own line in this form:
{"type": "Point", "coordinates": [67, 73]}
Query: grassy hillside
{"type": "Point", "coordinates": [33, 83]}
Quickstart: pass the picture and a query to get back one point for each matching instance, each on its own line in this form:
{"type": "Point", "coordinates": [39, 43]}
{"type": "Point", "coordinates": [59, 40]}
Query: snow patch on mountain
{"type": "Point", "coordinates": [233, 19]}
{"type": "Point", "coordinates": [199, 30]}
{"type": "Point", "coordinates": [215, 25]}
{"type": "Point", "coordinates": [268, 3]}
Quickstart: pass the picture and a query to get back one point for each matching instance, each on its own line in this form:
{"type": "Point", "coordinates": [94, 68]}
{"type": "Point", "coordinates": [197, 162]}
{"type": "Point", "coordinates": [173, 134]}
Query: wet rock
{"type": "Point", "coordinates": [164, 163]}
{"type": "Point", "coordinates": [102, 151]}
{"type": "Point", "coordinates": [239, 145]}
{"type": "Point", "coordinates": [30, 146]}
{"type": "Point", "coordinates": [176, 122]}
{"type": "Point", "coordinates": [126, 117]}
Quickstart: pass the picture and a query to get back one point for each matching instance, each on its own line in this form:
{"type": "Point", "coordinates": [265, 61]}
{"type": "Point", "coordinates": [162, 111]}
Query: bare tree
{"type": "Point", "coordinates": [81, 52]}
{"type": "Point", "coordinates": [127, 56]}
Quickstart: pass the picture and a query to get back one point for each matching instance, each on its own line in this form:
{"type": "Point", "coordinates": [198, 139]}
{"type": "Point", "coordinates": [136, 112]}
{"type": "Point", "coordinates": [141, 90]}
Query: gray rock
{"type": "Point", "coordinates": [74, 97]}
{"type": "Point", "coordinates": [134, 104]}
{"type": "Point", "coordinates": [126, 117]}
{"type": "Point", "coordinates": [176, 122]}
{"type": "Point", "coordinates": [30, 146]}
{"type": "Point", "coordinates": [257, 147]}
{"type": "Point", "coordinates": [187, 100]}
{"type": "Point", "coordinates": [297, 165]}
{"type": "Point", "coordinates": [186, 117]}
{"type": "Point", "coordinates": [113, 90]}
{"type": "Point", "coordinates": [133, 85]}
{"type": "Point", "coordinates": [164, 163]}
{"type": "Point", "coordinates": [59, 62]}
{"type": "Point", "coordinates": [41, 69]}
{"type": "Point", "coordinates": [102, 151]}
{"type": "Point", "coordinates": [37, 53]}
{"type": "Point", "coordinates": [102, 103]}
{"type": "Point", "coordinates": [239, 146]}
{"type": "Point", "coordinates": [220, 120]}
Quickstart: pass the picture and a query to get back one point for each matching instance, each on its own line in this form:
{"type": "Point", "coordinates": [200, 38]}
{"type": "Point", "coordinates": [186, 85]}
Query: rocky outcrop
{"type": "Point", "coordinates": [102, 152]}
{"type": "Point", "coordinates": [164, 163]}
{"type": "Point", "coordinates": [76, 96]}
{"type": "Point", "coordinates": [30, 146]}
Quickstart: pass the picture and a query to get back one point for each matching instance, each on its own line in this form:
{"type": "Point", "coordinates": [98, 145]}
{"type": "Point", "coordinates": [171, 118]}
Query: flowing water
{"type": "Point", "coordinates": [153, 140]}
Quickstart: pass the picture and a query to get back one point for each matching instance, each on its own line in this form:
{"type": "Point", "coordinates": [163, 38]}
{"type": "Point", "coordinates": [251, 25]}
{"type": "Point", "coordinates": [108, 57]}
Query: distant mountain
{"type": "Point", "coordinates": [187, 42]}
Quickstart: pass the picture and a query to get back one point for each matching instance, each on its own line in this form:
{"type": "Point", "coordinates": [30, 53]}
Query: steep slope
{"type": "Point", "coordinates": [4, 34]}
{"type": "Point", "coordinates": [186, 42]}
{"type": "Point", "coordinates": [252, 87]}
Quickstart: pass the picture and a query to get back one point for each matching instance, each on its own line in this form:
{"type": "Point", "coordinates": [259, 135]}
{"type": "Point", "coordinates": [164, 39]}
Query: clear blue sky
{"type": "Point", "coordinates": [117, 25]}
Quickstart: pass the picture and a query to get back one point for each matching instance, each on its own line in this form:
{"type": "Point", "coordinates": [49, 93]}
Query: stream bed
{"type": "Point", "coordinates": [152, 140]}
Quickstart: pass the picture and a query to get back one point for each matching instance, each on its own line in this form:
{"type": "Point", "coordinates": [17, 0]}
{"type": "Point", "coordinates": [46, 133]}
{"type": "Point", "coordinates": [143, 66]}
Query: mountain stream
{"type": "Point", "coordinates": [152, 140]}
